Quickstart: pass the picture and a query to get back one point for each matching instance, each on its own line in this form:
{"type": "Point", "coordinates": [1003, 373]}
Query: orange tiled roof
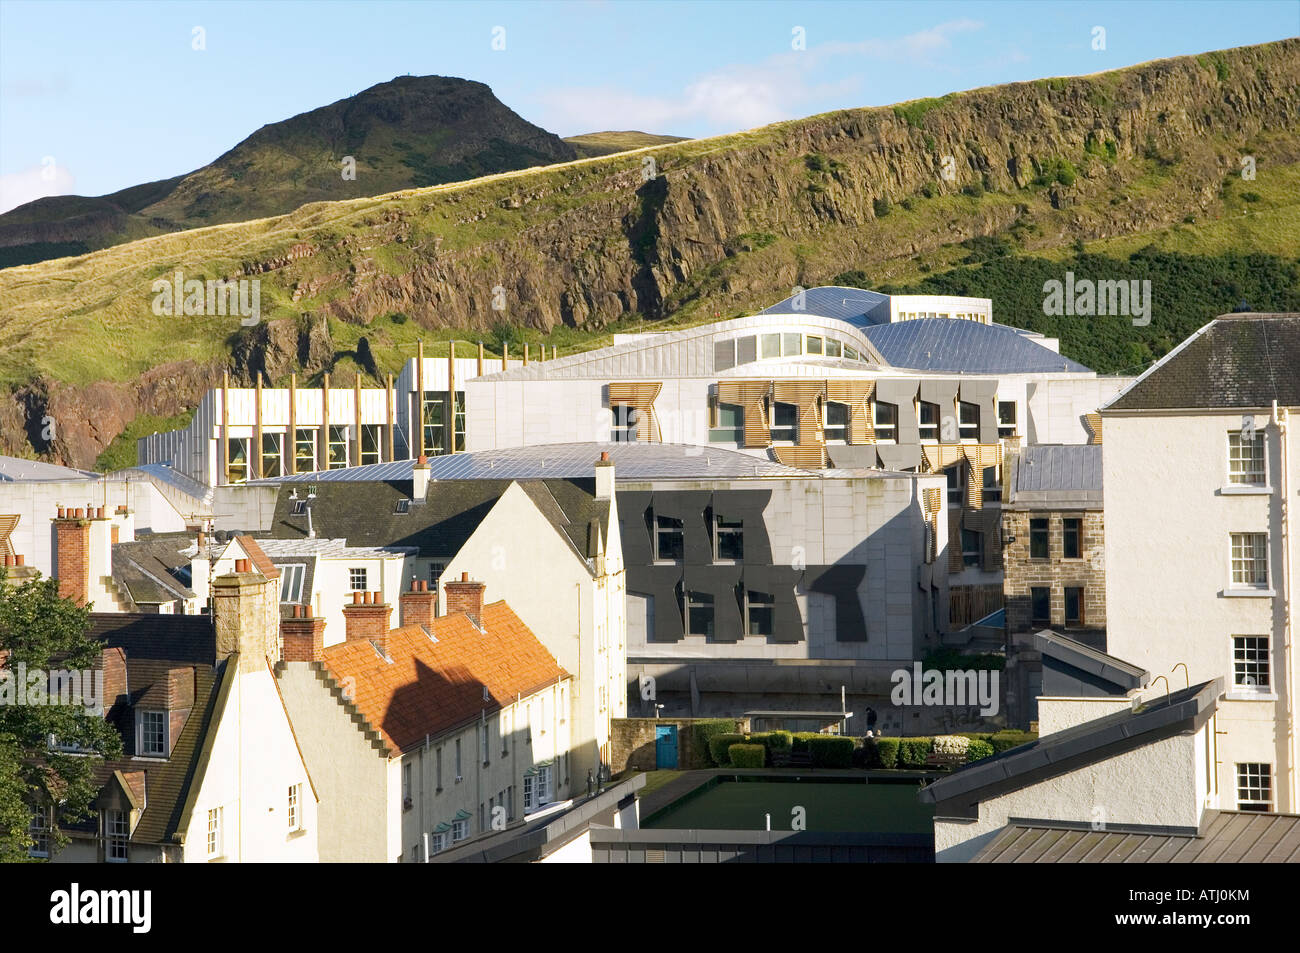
{"type": "Point", "coordinates": [261, 562]}
{"type": "Point", "coordinates": [431, 687]}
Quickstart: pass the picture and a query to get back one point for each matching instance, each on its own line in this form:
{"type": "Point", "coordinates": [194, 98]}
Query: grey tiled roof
{"type": "Point", "coordinates": [1243, 837]}
{"type": "Point", "coordinates": [1237, 360]}
{"type": "Point", "coordinates": [969, 347]}
{"type": "Point", "coordinates": [849, 305]}
{"type": "Point", "coordinates": [632, 461]}
{"type": "Point", "coordinates": [1049, 474]}
{"type": "Point", "coordinates": [14, 469]}
{"type": "Point", "coordinates": [1091, 660]}
{"type": "Point", "coordinates": [154, 569]}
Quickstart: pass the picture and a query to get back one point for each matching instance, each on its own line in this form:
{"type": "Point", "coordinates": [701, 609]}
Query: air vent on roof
{"type": "Point", "coordinates": [299, 507]}
{"type": "Point", "coordinates": [403, 506]}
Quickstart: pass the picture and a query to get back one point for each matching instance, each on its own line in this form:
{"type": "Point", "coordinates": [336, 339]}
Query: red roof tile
{"type": "Point", "coordinates": [432, 687]}
{"type": "Point", "coordinates": [261, 562]}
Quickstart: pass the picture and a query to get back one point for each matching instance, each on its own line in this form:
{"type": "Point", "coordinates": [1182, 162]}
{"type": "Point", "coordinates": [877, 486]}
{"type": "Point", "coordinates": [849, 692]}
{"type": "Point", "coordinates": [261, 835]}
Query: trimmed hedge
{"type": "Point", "coordinates": [978, 749]}
{"type": "Point", "coordinates": [912, 752]}
{"type": "Point", "coordinates": [831, 751]}
{"type": "Point", "coordinates": [720, 744]}
{"type": "Point", "coordinates": [702, 732]}
{"type": "Point", "coordinates": [1005, 740]}
{"type": "Point", "coordinates": [747, 756]}
{"type": "Point", "coordinates": [886, 752]}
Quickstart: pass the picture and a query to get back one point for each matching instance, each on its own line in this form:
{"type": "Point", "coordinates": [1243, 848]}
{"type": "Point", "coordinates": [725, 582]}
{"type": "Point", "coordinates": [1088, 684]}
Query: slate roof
{"type": "Point", "coordinates": [1243, 360]}
{"type": "Point", "coordinates": [433, 685]}
{"type": "Point", "coordinates": [154, 569]}
{"type": "Point", "coordinates": [1074, 747]}
{"type": "Point", "coordinates": [1242, 837]}
{"type": "Point", "coordinates": [365, 514]}
{"type": "Point", "coordinates": [850, 305]}
{"type": "Point", "coordinates": [970, 347]}
{"type": "Point", "coordinates": [632, 461]}
{"type": "Point", "coordinates": [177, 638]}
{"type": "Point", "coordinates": [14, 469]}
{"type": "Point", "coordinates": [1093, 661]}
{"type": "Point", "coordinates": [1057, 475]}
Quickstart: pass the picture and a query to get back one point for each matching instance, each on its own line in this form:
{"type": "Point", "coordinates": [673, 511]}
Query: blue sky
{"type": "Point", "coordinates": [104, 95]}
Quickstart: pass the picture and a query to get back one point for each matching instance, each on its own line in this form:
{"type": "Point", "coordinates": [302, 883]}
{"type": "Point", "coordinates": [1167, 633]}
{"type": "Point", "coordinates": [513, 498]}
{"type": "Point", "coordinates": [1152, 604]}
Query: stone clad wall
{"type": "Point", "coordinates": [632, 743]}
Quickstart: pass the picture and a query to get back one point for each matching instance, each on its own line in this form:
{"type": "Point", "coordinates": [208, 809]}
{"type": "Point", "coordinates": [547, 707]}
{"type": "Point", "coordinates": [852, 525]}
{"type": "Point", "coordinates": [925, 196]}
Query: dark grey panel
{"type": "Point", "coordinates": [941, 392]}
{"type": "Point", "coordinates": [852, 456]}
{"type": "Point", "coordinates": [842, 582]}
{"type": "Point", "coordinates": [983, 394]}
{"type": "Point", "coordinates": [746, 349]}
{"type": "Point", "coordinates": [689, 506]}
{"type": "Point", "coordinates": [896, 457]}
{"type": "Point", "coordinates": [724, 355]}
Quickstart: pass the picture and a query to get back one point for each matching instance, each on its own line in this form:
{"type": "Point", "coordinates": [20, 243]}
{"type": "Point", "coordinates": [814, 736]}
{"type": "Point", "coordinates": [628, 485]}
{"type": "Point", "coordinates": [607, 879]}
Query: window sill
{"type": "Point", "coordinates": [1245, 489]}
{"type": "Point", "coordinates": [295, 834]}
{"type": "Point", "coordinates": [666, 562]}
{"type": "Point", "coordinates": [1247, 593]}
{"type": "Point", "coordinates": [1244, 695]}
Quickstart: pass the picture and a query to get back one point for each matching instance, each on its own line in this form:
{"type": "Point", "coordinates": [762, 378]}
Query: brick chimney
{"type": "Point", "coordinates": [246, 616]}
{"type": "Point", "coordinates": [72, 554]}
{"type": "Point", "coordinates": [604, 477]}
{"type": "Point", "coordinates": [303, 636]}
{"type": "Point", "coordinates": [367, 618]}
{"type": "Point", "coordinates": [420, 605]}
{"type": "Point", "coordinates": [465, 596]}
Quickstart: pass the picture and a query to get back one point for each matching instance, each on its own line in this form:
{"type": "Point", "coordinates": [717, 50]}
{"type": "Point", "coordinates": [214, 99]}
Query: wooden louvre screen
{"type": "Point", "coordinates": [808, 458]}
{"type": "Point", "coordinates": [641, 396]}
{"type": "Point", "coordinates": [932, 502]}
{"type": "Point", "coordinates": [955, 561]}
{"type": "Point", "coordinates": [857, 394]}
{"type": "Point", "coordinates": [1093, 423]}
{"type": "Point", "coordinates": [979, 456]}
{"type": "Point", "coordinates": [991, 556]}
{"type": "Point", "coordinates": [752, 396]}
{"type": "Point", "coordinates": [807, 396]}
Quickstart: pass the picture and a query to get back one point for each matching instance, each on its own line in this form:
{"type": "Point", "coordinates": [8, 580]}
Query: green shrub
{"type": "Point", "coordinates": [975, 190]}
{"type": "Point", "coordinates": [816, 162]}
{"type": "Point", "coordinates": [703, 732]}
{"type": "Point", "coordinates": [880, 206]}
{"type": "Point", "coordinates": [1005, 740]}
{"type": "Point", "coordinates": [831, 751]}
{"type": "Point", "coordinates": [799, 741]}
{"type": "Point", "coordinates": [887, 752]}
{"type": "Point", "coordinates": [719, 744]}
{"type": "Point", "coordinates": [1250, 196]}
{"type": "Point", "coordinates": [908, 203]}
{"type": "Point", "coordinates": [747, 756]}
{"type": "Point", "coordinates": [779, 741]}
{"type": "Point", "coordinates": [929, 190]}
{"type": "Point", "coordinates": [978, 749]}
{"type": "Point", "coordinates": [912, 752]}
{"type": "Point", "coordinates": [866, 755]}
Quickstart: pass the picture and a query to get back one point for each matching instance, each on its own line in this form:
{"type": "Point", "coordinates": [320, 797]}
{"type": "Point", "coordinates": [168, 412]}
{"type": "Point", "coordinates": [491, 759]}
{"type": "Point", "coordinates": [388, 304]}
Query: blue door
{"type": "Point", "coordinates": [665, 746]}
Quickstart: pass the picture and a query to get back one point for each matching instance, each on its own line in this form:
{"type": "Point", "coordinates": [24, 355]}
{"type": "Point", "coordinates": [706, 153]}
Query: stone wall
{"type": "Point", "coordinates": [1021, 573]}
{"type": "Point", "coordinates": [632, 743]}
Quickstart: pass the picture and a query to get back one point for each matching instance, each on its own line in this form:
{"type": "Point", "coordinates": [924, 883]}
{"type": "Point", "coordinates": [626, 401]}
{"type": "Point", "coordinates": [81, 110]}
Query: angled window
{"type": "Point", "coordinates": [1006, 418]}
{"type": "Point", "coordinates": [785, 422]}
{"type": "Point", "coordinates": [968, 420]}
{"type": "Point", "coordinates": [372, 442]}
{"type": "Point", "coordinates": [837, 422]}
{"type": "Point", "coordinates": [1250, 560]}
{"type": "Point", "coordinates": [237, 460]}
{"type": "Point", "coordinates": [851, 354]}
{"type": "Point", "coordinates": [291, 579]}
{"type": "Point", "coordinates": [699, 613]}
{"type": "Point", "coordinates": [886, 422]}
{"type": "Point", "coordinates": [669, 544]}
{"type": "Point", "coordinates": [728, 539]}
{"type": "Point", "coordinates": [729, 426]}
{"type": "Point", "coordinates": [1246, 458]}
{"type": "Point", "coordinates": [625, 423]}
{"type": "Point", "coordinates": [928, 416]}
{"type": "Point", "coordinates": [304, 450]}
{"type": "Point", "coordinates": [1250, 663]}
{"type": "Point", "coordinates": [272, 454]}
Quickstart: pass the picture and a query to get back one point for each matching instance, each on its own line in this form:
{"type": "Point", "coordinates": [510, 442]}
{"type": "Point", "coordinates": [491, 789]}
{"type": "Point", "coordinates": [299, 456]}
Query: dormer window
{"type": "Point", "coordinates": [152, 734]}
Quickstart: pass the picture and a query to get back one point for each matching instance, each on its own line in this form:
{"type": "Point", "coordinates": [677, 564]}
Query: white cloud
{"type": "Point", "coordinates": [34, 182]}
{"type": "Point", "coordinates": [748, 95]}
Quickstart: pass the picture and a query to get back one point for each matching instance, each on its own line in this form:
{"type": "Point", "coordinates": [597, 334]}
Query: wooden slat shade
{"type": "Point", "coordinates": [752, 396]}
{"type": "Point", "coordinates": [807, 396]}
{"type": "Point", "coordinates": [857, 394]}
{"type": "Point", "coordinates": [932, 502]}
{"type": "Point", "coordinates": [809, 458]}
{"type": "Point", "coordinates": [640, 395]}
{"type": "Point", "coordinates": [1093, 423]}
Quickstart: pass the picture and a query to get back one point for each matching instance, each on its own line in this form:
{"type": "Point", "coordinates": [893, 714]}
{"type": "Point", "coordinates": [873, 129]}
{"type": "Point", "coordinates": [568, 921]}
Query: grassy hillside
{"type": "Point", "coordinates": [607, 143]}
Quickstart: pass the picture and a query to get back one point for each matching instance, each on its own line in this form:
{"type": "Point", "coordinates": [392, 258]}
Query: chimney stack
{"type": "Point", "coordinates": [367, 617]}
{"type": "Point", "coordinates": [303, 635]}
{"type": "Point", "coordinates": [419, 606]}
{"type": "Point", "coordinates": [604, 477]}
{"type": "Point", "coordinates": [246, 616]}
{"type": "Point", "coordinates": [72, 555]}
{"type": "Point", "coordinates": [420, 478]}
{"type": "Point", "coordinates": [465, 596]}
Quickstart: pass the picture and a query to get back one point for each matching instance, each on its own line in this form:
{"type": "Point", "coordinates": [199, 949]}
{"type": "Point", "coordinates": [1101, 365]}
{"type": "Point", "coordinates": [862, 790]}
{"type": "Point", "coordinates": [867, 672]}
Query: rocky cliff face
{"type": "Point", "coordinates": [713, 227]}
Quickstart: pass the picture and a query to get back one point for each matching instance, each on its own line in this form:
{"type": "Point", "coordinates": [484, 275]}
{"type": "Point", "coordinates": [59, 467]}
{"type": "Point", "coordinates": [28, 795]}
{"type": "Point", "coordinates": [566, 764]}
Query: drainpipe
{"type": "Point", "coordinates": [1282, 419]}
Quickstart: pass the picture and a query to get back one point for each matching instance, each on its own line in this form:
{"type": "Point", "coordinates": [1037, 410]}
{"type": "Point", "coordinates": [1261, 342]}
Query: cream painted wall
{"type": "Point", "coordinates": [253, 762]}
{"type": "Point", "coordinates": [353, 779]}
{"type": "Point", "coordinates": [1154, 784]}
{"type": "Point", "coordinates": [1056, 714]}
{"type": "Point", "coordinates": [1168, 565]}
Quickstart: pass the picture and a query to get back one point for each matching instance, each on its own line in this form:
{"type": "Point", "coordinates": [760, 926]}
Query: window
{"type": "Point", "coordinates": [1072, 538]}
{"type": "Point", "coordinates": [437, 841]}
{"type": "Point", "coordinates": [1006, 418]}
{"type": "Point", "coordinates": [832, 347]}
{"type": "Point", "coordinates": [929, 420]}
{"type": "Point", "coordinates": [1250, 560]}
{"type": "Point", "coordinates": [668, 538]}
{"type": "Point", "coordinates": [1254, 787]}
{"type": "Point", "coordinates": [837, 422]}
{"type": "Point", "coordinates": [886, 422]}
{"type": "Point", "coordinates": [459, 829]}
{"type": "Point", "coordinates": [483, 743]}
{"type": "Point", "coordinates": [1040, 605]}
{"type": "Point", "coordinates": [272, 454]}
{"type": "Point", "coordinates": [759, 613]}
{"type": "Point", "coordinates": [435, 422]}
{"type": "Point", "coordinates": [237, 468]}
{"type": "Point", "coordinates": [295, 807]}
{"type": "Point", "coordinates": [407, 798]}
{"type": "Point", "coordinates": [771, 345]}
{"type": "Point", "coordinates": [791, 344]}
{"type": "Point", "coordinates": [1073, 605]}
{"type": "Point", "coordinates": [372, 442]}
{"type": "Point", "coordinates": [625, 421]}
{"type": "Point", "coordinates": [968, 420]}
{"type": "Point", "coordinates": [956, 488]}
{"type": "Point", "coordinates": [437, 762]}
{"type": "Point", "coordinates": [357, 579]}
{"type": "Point", "coordinates": [337, 448]}
{"type": "Point", "coordinates": [214, 832]}
{"type": "Point", "coordinates": [537, 789]}
{"type": "Point", "coordinates": [1038, 539]}
{"type": "Point", "coordinates": [436, 569]}
{"type": "Point", "coordinates": [699, 613]}
{"type": "Point", "coordinates": [39, 831]}
{"type": "Point", "coordinates": [785, 422]}
{"type": "Point", "coordinates": [459, 773]}
{"type": "Point", "coordinates": [304, 450]}
{"type": "Point", "coordinates": [1246, 458]}
{"type": "Point", "coordinates": [850, 353]}
{"type": "Point", "coordinates": [730, 426]}
{"type": "Point", "coordinates": [992, 485]}
{"type": "Point", "coordinates": [153, 734]}
{"type": "Point", "coordinates": [1250, 662]}
{"type": "Point", "coordinates": [117, 834]}
{"type": "Point", "coordinates": [291, 579]}
{"type": "Point", "coordinates": [814, 345]}
{"type": "Point", "coordinates": [970, 547]}
{"type": "Point", "coordinates": [728, 539]}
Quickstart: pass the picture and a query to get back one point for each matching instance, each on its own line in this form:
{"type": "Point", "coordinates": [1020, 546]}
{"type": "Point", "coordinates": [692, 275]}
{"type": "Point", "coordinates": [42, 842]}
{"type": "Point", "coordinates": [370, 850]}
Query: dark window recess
{"type": "Point", "coordinates": [1073, 605]}
{"type": "Point", "coordinates": [1040, 605]}
{"type": "Point", "coordinates": [956, 489]}
{"type": "Point", "coordinates": [785, 422]}
{"type": "Point", "coordinates": [968, 420]}
{"type": "Point", "coordinates": [1038, 548]}
{"type": "Point", "coordinates": [668, 538]}
{"type": "Point", "coordinates": [1072, 542]}
{"type": "Point", "coordinates": [699, 613]}
{"type": "Point", "coordinates": [760, 612]}
{"type": "Point", "coordinates": [970, 547]}
{"type": "Point", "coordinates": [929, 421]}
{"type": "Point", "coordinates": [729, 539]}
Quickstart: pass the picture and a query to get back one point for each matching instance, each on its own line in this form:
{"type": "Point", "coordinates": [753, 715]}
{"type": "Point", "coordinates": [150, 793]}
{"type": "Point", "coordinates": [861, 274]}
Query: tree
{"type": "Point", "coordinates": [41, 633]}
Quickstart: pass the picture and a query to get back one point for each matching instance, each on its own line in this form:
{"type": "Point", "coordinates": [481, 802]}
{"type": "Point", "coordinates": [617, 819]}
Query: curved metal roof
{"type": "Point", "coordinates": [950, 344]}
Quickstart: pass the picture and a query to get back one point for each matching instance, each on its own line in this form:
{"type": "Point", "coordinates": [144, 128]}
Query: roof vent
{"type": "Point", "coordinates": [403, 506]}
